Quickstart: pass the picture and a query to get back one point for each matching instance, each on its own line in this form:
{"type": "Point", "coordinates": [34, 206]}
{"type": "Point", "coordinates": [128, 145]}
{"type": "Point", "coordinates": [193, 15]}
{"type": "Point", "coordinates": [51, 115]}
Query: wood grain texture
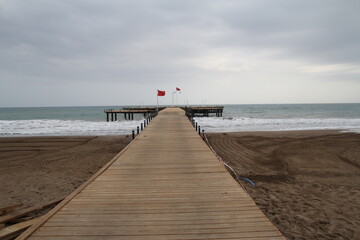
{"type": "Point", "coordinates": [166, 184]}
{"type": "Point", "coordinates": [14, 230]}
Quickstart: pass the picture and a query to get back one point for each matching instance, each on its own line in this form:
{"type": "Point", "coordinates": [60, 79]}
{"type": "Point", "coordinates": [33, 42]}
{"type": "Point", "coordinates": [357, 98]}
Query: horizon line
{"type": "Point", "coordinates": [178, 105]}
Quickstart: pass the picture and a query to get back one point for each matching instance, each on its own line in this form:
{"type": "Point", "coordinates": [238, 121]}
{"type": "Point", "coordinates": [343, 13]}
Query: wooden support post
{"type": "Point", "coordinates": [144, 123]}
{"type": "Point", "coordinates": [132, 116]}
{"type": "Point", "coordinates": [115, 116]}
{"type": "Point", "coordinates": [125, 116]}
{"type": "Point", "coordinates": [203, 133]}
{"type": "Point", "coordinates": [107, 116]}
{"type": "Point", "coordinates": [142, 128]}
{"type": "Point", "coordinates": [196, 127]}
{"type": "Point", "coordinates": [137, 130]}
{"type": "Point", "coordinates": [133, 134]}
{"type": "Point", "coordinates": [199, 130]}
{"type": "Point", "coordinates": [112, 117]}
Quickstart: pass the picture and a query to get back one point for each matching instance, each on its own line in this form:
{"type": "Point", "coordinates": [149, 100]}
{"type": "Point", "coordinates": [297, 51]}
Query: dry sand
{"type": "Point", "coordinates": [34, 170]}
{"type": "Point", "coordinates": [307, 182]}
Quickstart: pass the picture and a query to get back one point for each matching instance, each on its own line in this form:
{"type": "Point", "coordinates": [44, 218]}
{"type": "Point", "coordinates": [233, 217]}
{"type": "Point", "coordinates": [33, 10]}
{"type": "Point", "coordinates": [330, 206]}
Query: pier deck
{"type": "Point", "coordinates": [166, 184]}
{"type": "Point", "coordinates": [130, 111]}
{"type": "Point", "coordinates": [192, 111]}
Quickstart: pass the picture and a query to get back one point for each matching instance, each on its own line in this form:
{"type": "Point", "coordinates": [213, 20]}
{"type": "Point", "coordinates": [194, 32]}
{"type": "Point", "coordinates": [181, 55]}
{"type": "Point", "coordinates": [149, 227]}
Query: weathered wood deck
{"type": "Point", "coordinates": [166, 184]}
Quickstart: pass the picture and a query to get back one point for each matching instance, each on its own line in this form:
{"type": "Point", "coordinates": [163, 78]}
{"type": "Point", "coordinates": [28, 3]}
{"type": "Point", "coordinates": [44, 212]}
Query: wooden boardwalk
{"type": "Point", "coordinates": [166, 184]}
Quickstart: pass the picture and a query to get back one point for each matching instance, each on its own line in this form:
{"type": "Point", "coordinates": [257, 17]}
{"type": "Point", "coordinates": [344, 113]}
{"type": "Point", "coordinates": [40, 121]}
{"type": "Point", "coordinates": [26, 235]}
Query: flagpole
{"type": "Point", "coordinates": [157, 102]}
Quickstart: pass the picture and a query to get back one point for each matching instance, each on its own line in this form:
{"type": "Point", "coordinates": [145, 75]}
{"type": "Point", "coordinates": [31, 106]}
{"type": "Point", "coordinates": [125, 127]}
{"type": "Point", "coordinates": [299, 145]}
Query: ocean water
{"type": "Point", "coordinates": [64, 121]}
{"type": "Point", "coordinates": [282, 117]}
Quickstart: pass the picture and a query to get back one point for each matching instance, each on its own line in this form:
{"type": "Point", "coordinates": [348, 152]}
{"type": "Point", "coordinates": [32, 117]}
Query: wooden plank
{"type": "Point", "coordinates": [16, 229]}
{"type": "Point", "coordinates": [23, 212]}
{"type": "Point", "coordinates": [147, 230]}
{"type": "Point", "coordinates": [90, 222]}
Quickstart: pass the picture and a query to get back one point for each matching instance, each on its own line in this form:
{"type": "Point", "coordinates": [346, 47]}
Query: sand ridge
{"type": "Point", "coordinates": [307, 182]}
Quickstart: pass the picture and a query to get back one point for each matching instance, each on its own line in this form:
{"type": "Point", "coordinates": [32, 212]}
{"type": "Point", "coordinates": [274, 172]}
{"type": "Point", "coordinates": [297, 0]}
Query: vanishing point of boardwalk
{"type": "Point", "coordinates": [166, 184]}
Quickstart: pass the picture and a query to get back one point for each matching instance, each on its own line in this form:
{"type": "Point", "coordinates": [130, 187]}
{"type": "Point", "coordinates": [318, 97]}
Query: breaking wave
{"type": "Point", "coordinates": [47, 127]}
{"type": "Point", "coordinates": [239, 124]}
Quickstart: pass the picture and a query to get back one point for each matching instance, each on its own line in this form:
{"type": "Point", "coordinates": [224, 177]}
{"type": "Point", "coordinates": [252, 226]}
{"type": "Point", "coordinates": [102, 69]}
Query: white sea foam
{"type": "Point", "coordinates": [211, 124]}
{"type": "Point", "coordinates": [65, 127]}
{"type": "Point", "coordinates": [239, 124]}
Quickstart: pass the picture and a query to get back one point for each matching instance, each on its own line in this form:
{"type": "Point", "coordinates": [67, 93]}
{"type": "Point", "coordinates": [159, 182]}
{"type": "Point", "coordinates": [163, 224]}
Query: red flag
{"type": "Point", "coordinates": [161, 93]}
{"type": "Point", "coordinates": [177, 89]}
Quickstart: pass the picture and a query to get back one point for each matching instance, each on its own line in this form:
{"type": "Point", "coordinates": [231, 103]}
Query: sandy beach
{"type": "Point", "coordinates": [307, 182]}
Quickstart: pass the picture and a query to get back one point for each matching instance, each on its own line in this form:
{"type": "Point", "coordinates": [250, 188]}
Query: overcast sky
{"type": "Point", "coordinates": [92, 52]}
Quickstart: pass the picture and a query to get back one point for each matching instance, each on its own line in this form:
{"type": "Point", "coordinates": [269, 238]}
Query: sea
{"type": "Point", "coordinates": [79, 121]}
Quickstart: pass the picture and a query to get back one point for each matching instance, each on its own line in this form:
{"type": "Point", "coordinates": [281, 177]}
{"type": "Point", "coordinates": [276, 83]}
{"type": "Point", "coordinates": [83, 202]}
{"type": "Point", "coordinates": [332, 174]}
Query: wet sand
{"type": "Point", "coordinates": [307, 182]}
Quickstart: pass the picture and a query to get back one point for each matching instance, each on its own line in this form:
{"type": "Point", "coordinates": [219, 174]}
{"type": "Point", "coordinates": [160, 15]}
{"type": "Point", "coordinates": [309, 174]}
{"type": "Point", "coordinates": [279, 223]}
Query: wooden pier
{"type": "Point", "coordinates": [203, 111]}
{"type": "Point", "coordinates": [166, 184]}
{"type": "Point", "coordinates": [129, 112]}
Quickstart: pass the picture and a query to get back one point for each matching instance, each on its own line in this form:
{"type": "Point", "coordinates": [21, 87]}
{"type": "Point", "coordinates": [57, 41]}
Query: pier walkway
{"type": "Point", "coordinates": [166, 184]}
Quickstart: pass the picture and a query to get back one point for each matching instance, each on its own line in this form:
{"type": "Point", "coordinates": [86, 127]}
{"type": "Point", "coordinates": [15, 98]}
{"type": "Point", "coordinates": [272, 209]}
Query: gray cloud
{"type": "Point", "coordinates": [321, 31]}
{"type": "Point", "coordinates": [163, 43]}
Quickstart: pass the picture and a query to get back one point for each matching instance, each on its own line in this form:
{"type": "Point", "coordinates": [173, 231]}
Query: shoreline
{"type": "Point", "coordinates": [307, 181]}
{"type": "Point", "coordinates": [269, 132]}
